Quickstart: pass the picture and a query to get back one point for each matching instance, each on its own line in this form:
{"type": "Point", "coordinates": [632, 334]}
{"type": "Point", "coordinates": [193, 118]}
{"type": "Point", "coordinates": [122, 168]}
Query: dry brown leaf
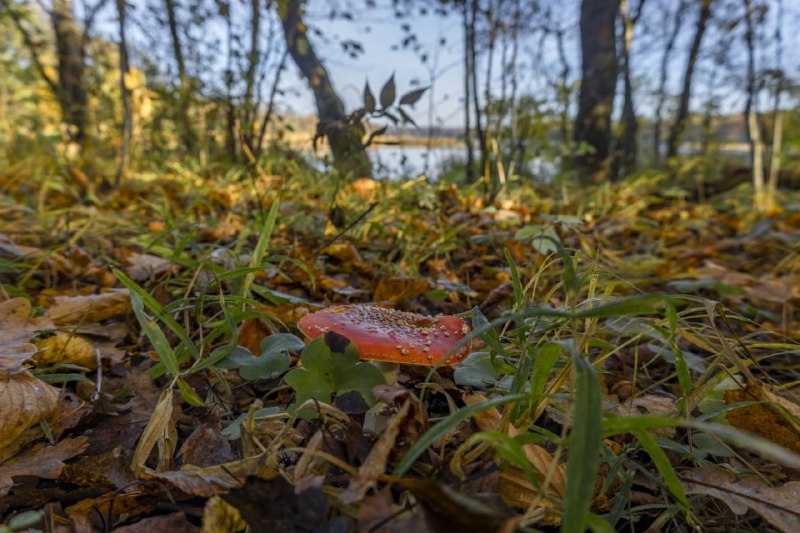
{"type": "Point", "coordinates": [775, 420]}
{"type": "Point", "coordinates": [141, 267]}
{"type": "Point", "coordinates": [90, 308]}
{"type": "Point", "coordinates": [251, 332]}
{"type": "Point", "coordinates": [159, 431]}
{"type": "Point", "coordinates": [513, 485]}
{"type": "Point", "coordinates": [403, 429]}
{"type": "Point", "coordinates": [42, 461]}
{"type": "Point", "coordinates": [779, 505]}
{"type": "Point", "coordinates": [221, 517]}
{"type": "Point", "coordinates": [16, 330]}
{"type": "Point", "coordinates": [650, 404]}
{"type": "Point", "coordinates": [399, 289]}
{"type": "Point", "coordinates": [25, 401]}
{"type": "Point", "coordinates": [65, 348]}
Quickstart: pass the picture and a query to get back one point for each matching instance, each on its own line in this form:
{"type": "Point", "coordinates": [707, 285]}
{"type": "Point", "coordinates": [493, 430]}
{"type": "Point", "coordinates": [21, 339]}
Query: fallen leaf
{"type": "Point", "coordinates": [174, 523]}
{"type": "Point", "coordinates": [16, 330]}
{"type": "Point", "coordinates": [273, 505]}
{"type": "Point", "coordinates": [25, 402]}
{"type": "Point", "coordinates": [42, 461]}
{"type": "Point", "coordinates": [778, 505]}
{"type": "Point", "coordinates": [65, 348]}
{"type": "Point", "coordinates": [399, 289]}
{"type": "Point", "coordinates": [159, 431]}
{"type": "Point", "coordinates": [515, 486]}
{"type": "Point", "coordinates": [221, 517]}
{"type": "Point", "coordinates": [89, 308]}
{"type": "Point", "coordinates": [141, 267]}
{"type": "Point", "coordinates": [403, 429]}
{"type": "Point", "coordinates": [251, 332]}
{"type": "Point", "coordinates": [775, 420]}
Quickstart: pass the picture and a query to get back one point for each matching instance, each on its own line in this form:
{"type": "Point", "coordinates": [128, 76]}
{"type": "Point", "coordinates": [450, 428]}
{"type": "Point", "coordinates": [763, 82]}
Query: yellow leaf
{"type": "Point", "coordinates": [65, 348]}
{"type": "Point", "coordinates": [25, 402]}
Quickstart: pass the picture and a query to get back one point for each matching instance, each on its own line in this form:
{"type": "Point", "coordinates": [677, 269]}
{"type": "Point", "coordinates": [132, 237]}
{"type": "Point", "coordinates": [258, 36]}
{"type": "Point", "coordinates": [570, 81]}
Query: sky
{"type": "Point", "coordinates": [379, 33]}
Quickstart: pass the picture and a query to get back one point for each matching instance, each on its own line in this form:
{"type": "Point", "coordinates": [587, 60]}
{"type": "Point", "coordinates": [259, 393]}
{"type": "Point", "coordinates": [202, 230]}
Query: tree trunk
{"type": "Point", "coordinates": [683, 107]}
{"type": "Point", "coordinates": [71, 92]}
{"type": "Point", "coordinates": [125, 93]}
{"type": "Point", "coordinates": [344, 138]}
{"type": "Point", "coordinates": [185, 83]}
{"type": "Point", "coordinates": [663, 77]}
{"type": "Point", "coordinates": [599, 79]}
{"type": "Point", "coordinates": [628, 143]}
{"type": "Point", "coordinates": [470, 170]}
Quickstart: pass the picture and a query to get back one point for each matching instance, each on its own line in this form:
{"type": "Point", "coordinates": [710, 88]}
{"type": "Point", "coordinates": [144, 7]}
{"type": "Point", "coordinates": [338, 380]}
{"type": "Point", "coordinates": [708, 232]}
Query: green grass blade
{"type": "Point", "coordinates": [261, 246]}
{"type": "Point", "coordinates": [584, 447]}
{"type": "Point", "coordinates": [440, 429]}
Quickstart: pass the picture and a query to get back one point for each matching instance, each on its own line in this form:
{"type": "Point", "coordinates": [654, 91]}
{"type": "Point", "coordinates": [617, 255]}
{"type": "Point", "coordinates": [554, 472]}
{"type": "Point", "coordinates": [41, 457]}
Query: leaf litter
{"type": "Point", "coordinates": [86, 408]}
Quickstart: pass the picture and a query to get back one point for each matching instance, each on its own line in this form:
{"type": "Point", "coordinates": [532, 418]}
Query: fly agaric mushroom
{"type": "Point", "coordinates": [390, 336]}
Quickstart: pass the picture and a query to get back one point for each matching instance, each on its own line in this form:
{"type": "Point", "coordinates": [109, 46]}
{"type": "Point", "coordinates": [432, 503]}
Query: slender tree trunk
{"type": "Point", "coordinates": [683, 107]}
{"type": "Point", "coordinates": [663, 77]}
{"type": "Point", "coordinates": [473, 52]}
{"type": "Point", "coordinates": [185, 83]}
{"type": "Point", "coordinates": [71, 89]}
{"type": "Point", "coordinates": [344, 138]}
{"type": "Point", "coordinates": [125, 94]}
{"type": "Point", "coordinates": [751, 113]}
{"type": "Point", "coordinates": [467, 92]}
{"type": "Point", "coordinates": [599, 79]}
{"type": "Point", "coordinates": [230, 107]}
{"type": "Point", "coordinates": [630, 126]}
{"type": "Point", "coordinates": [249, 106]}
{"type": "Point", "coordinates": [271, 103]}
{"type": "Point", "coordinates": [777, 115]}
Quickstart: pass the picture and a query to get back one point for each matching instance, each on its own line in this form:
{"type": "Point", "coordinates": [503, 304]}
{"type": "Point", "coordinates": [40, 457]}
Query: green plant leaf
{"type": "Point", "coordinates": [476, 370]}
{"type": "Point", "coordinates": [412, 97]}
{"type": "Point", "coordinates": [331, 366]}
{"type": "Point", "coordinates": [156, 337]}
{"type": "Point", "coordinates": [369, 99]}
{"type": "Point", "coordinates": [584, 447]}
{"type": "Point", "coordinates": [388, 93]}
{"type": "Point", "coordinates": [234, 430]}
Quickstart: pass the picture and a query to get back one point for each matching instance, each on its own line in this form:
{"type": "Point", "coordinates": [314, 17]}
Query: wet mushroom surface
{"type": "Point", "coordinates": [392, 336]}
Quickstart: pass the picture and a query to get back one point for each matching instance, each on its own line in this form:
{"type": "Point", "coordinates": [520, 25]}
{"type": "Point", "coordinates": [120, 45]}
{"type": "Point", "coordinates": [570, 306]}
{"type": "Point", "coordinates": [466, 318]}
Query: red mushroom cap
{"type": "Point", "coordinates": [392, 336]}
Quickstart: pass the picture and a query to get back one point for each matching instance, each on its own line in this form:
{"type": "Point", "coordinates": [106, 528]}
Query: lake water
{"type": "Point", "coordinates": [397, 161]}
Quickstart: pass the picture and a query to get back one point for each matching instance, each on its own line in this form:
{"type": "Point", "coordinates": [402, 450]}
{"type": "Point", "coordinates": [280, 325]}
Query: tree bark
{"type": "Point", "coordinates": [470, 170]}
{"type": "Point", "coordinates": [185, 82]}
{"type": "Point", "coordinates": [71, 90]}
{"type": "Point", "coordinates": [630, 126]}
{"type": "Point", "coordinates": [125, 93]}
{"type": "Point", "coordinates": [663, 77]}
{"type": "Point", "coordinates": [599, 79]}
{"type": "Point", "coordinates": [344, 138]}
{"type": "Point", "coordinates": [683, 107]}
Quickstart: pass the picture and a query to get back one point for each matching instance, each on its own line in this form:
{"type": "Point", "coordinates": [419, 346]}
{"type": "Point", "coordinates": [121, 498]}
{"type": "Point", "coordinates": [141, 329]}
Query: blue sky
{"type": "Point", "coordinates": [379, 32]}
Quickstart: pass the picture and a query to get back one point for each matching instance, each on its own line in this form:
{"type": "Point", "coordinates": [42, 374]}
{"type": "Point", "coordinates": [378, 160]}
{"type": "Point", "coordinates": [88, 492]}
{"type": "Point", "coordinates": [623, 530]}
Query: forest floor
{"type": "Point", "coordinates": [634, 364]}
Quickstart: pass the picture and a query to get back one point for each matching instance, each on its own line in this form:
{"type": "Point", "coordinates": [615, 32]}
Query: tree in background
{"type": "Point", "coordinates": [599, 80]}
{"type": "Point", "coordinates": [344, 136]}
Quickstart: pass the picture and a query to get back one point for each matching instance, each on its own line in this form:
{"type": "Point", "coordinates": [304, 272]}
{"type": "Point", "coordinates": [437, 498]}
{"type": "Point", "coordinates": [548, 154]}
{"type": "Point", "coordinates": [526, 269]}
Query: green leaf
{"type": "Point", "coordinates": [476, 370]}
{"type": "Point", "coordinates": [261, 246]}
{"type": "Point", "coordinates": [440, 429]}
{"type": "Point", "coordinates": [369, 99]}
{"type": "Point", "coordinates": [156, 336]}
{"type": "Point", "coordinates": [388, 93]}
{"type": "Point", "coordinates": [273, 361]}
{"type": "Point", "coordinates": [663, 465]}
{"type": "Point", "coordinates": [412, 97]}
{"type": "Point", "coordinates": [189, 394]}
{"type": "Point", "coordinates": [234, 430]}
{"type": "Point", "coordinates": [331, 366]}
{"type": "Point", "coordinates": [154, 307]}
{"type": "Point", "coordinates": [584, 447]}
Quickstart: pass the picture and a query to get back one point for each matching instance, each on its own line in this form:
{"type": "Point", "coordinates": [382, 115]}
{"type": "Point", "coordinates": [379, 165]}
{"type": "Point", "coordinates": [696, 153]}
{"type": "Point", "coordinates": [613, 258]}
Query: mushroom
{"type": "Point", "coordinates": [390, 336]}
